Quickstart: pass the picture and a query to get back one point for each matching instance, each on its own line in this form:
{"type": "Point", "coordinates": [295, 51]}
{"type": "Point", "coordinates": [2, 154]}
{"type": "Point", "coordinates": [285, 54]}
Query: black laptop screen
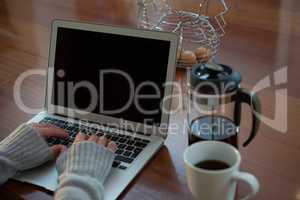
{"type": "Point", "coordinates": [110, 74]}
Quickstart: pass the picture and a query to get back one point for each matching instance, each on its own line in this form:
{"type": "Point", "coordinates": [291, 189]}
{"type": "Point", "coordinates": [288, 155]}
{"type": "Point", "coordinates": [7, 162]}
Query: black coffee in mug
{"type": "Point", "coordinates": [212, 165]}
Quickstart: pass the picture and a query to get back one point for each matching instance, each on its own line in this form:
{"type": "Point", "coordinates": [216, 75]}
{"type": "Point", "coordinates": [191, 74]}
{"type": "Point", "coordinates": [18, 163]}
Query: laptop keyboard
{"type": "Point", "coordinates": [128, 147]}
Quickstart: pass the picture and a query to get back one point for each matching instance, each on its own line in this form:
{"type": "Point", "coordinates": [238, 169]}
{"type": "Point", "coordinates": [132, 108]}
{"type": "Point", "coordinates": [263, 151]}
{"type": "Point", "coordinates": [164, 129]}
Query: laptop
{"type": "Point", "coordinates": [111, 81]}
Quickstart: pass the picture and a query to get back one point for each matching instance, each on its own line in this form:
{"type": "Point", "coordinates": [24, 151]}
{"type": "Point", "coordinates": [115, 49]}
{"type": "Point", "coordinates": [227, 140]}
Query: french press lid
{"type": "Point", "coordinates": [214, 79]}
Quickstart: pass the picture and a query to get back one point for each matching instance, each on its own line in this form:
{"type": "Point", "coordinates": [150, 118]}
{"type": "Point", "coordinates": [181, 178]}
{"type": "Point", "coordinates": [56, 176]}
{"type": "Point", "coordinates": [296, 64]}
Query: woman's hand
{"type": "Point", "coordinates": [84, 167]}
{"type": "Point", "coordinates": [47, 131]}
{"type": "Point", "coordinates": [26, 148]}
{"type": "Point", "coordinates": [89, 157]}
{"type": "Point", "coordinates": [102, 141]}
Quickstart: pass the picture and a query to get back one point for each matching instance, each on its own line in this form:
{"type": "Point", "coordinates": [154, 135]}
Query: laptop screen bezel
{"type": "Point", "coordinates": [104, 119]}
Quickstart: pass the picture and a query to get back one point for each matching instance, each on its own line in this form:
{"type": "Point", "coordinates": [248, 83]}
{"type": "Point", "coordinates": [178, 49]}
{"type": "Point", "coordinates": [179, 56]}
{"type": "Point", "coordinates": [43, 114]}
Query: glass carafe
{"type": "Point", "coordinates": [214, 104]}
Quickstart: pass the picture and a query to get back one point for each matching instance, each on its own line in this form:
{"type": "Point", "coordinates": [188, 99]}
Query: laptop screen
{"type": "Point", "coordinates": [110, 74]}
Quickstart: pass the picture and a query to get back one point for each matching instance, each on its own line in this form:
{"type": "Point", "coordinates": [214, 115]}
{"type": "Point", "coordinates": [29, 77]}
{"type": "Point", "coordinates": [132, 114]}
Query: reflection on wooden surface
{"type": "Point", "coordinates": [262, 36]}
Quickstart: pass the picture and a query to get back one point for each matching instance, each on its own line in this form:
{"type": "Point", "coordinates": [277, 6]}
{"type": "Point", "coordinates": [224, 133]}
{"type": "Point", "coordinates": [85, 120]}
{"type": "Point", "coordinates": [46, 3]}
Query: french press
{"type": "Point", "coordinates": [214, 104]}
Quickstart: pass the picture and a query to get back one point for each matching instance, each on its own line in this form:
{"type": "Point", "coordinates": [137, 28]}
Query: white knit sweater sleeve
{"type": "Point", "coordinates": [82, 171]}
{"type": "Point", "coordinates": [22, 149]}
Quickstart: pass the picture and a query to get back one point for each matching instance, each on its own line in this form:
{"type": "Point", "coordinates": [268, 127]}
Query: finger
{"type": "Point", "coordinates": [112, 146]}
{"type": "Point", "coordinates": [80, 137]}
{"type": "Point", "coordinates": [93, 138]}
{"type": "Point", "coordinates": [37, 125]}
{"type": "Point", "coordinates": [52, 132]}
{"type": "Point", "coordinates": [102, 141]}
{"type": "Point", "coordinates": [56, 150]}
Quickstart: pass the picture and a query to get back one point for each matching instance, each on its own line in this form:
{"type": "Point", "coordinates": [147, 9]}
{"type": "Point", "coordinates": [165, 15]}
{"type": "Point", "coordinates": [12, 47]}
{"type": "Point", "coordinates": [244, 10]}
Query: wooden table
{"type": "Point", "coordinates": [262, 36]}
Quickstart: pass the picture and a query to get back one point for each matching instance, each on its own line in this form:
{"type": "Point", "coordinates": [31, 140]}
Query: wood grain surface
{"type": "Point", "coordinates": [262, 36]}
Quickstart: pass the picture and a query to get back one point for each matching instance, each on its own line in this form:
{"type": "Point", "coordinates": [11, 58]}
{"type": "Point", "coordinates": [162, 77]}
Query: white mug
{"type": "Point", "coordinates": [215, 184]}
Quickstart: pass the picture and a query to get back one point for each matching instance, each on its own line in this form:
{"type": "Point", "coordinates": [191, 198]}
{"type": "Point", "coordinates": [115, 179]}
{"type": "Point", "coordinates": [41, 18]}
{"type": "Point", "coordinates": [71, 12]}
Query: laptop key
{"type": "Point", "coordinates": [146, 141]}
{"type": "Point", "coordinates": [72, 134]}
{"type": "Point", "coordinates": [50, 140]}
{"type": "Point", "coordinates": [122, 167]}
{"type": "Point", "coordinates": [75, 129]}
{"type": "Point", "coordinates": [116, 163]}
{"type": "Point", "coordinates": [123, 159]}
{"type": "Point", "coordinates": [137, 150]}
{"type": "Point", "coordinates": [68, 132]}
{"type": "Point", "coordinates": [69, 127]}
{"type": "Point", "coordinates": [134, 155]}
{"type": "Point", "coordinates": [119, 151]}
{"type": "Point", "coordinates": [99, 134]}
{"type": "Point", "coordinates": [83, 131]}
{"type": "Point", "coordinates": [114, 138]}
{"type": "Point", "coordinates": [140, 144]}
{"type": "Point", "coordinates": [129, 148]}
{"type": "Point", "coordinates": [130, 142]}
{"type": "Point", "coordinates": [122, 140]}
{"type": "Point", "coordinates": [121, 146]}
{"type": "Point", "coordinates": [57, 141]}
{"type": "Point", "coordinates": [127, 153]}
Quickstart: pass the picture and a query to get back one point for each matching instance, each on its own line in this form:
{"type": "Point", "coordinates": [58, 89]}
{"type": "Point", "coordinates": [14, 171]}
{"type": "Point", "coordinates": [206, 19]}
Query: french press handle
{"type": "Point", "coordinates": [252, 100]}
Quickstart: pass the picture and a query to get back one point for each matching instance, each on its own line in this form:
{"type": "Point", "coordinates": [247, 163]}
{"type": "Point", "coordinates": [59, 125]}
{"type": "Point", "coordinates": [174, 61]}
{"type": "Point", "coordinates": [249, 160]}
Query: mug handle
{"type": "Point", "coordinates": [253, 101]}
{"type": "Point", "coordinates": [250, 180]}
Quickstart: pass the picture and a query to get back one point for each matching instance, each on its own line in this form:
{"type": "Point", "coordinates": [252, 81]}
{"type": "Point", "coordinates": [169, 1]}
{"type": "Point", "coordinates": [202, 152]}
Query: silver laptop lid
{"type": "Point", "coordinates": [111, 75]}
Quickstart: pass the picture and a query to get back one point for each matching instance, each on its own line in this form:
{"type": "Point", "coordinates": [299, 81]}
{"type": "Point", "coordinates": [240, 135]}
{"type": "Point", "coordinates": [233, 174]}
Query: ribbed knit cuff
{"type": "Point", "coordinates": [6, 170]}
{"type": "Point", "coordinates": [25, 148]}
{"type": "Point", "coordinates": [86, 159]}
